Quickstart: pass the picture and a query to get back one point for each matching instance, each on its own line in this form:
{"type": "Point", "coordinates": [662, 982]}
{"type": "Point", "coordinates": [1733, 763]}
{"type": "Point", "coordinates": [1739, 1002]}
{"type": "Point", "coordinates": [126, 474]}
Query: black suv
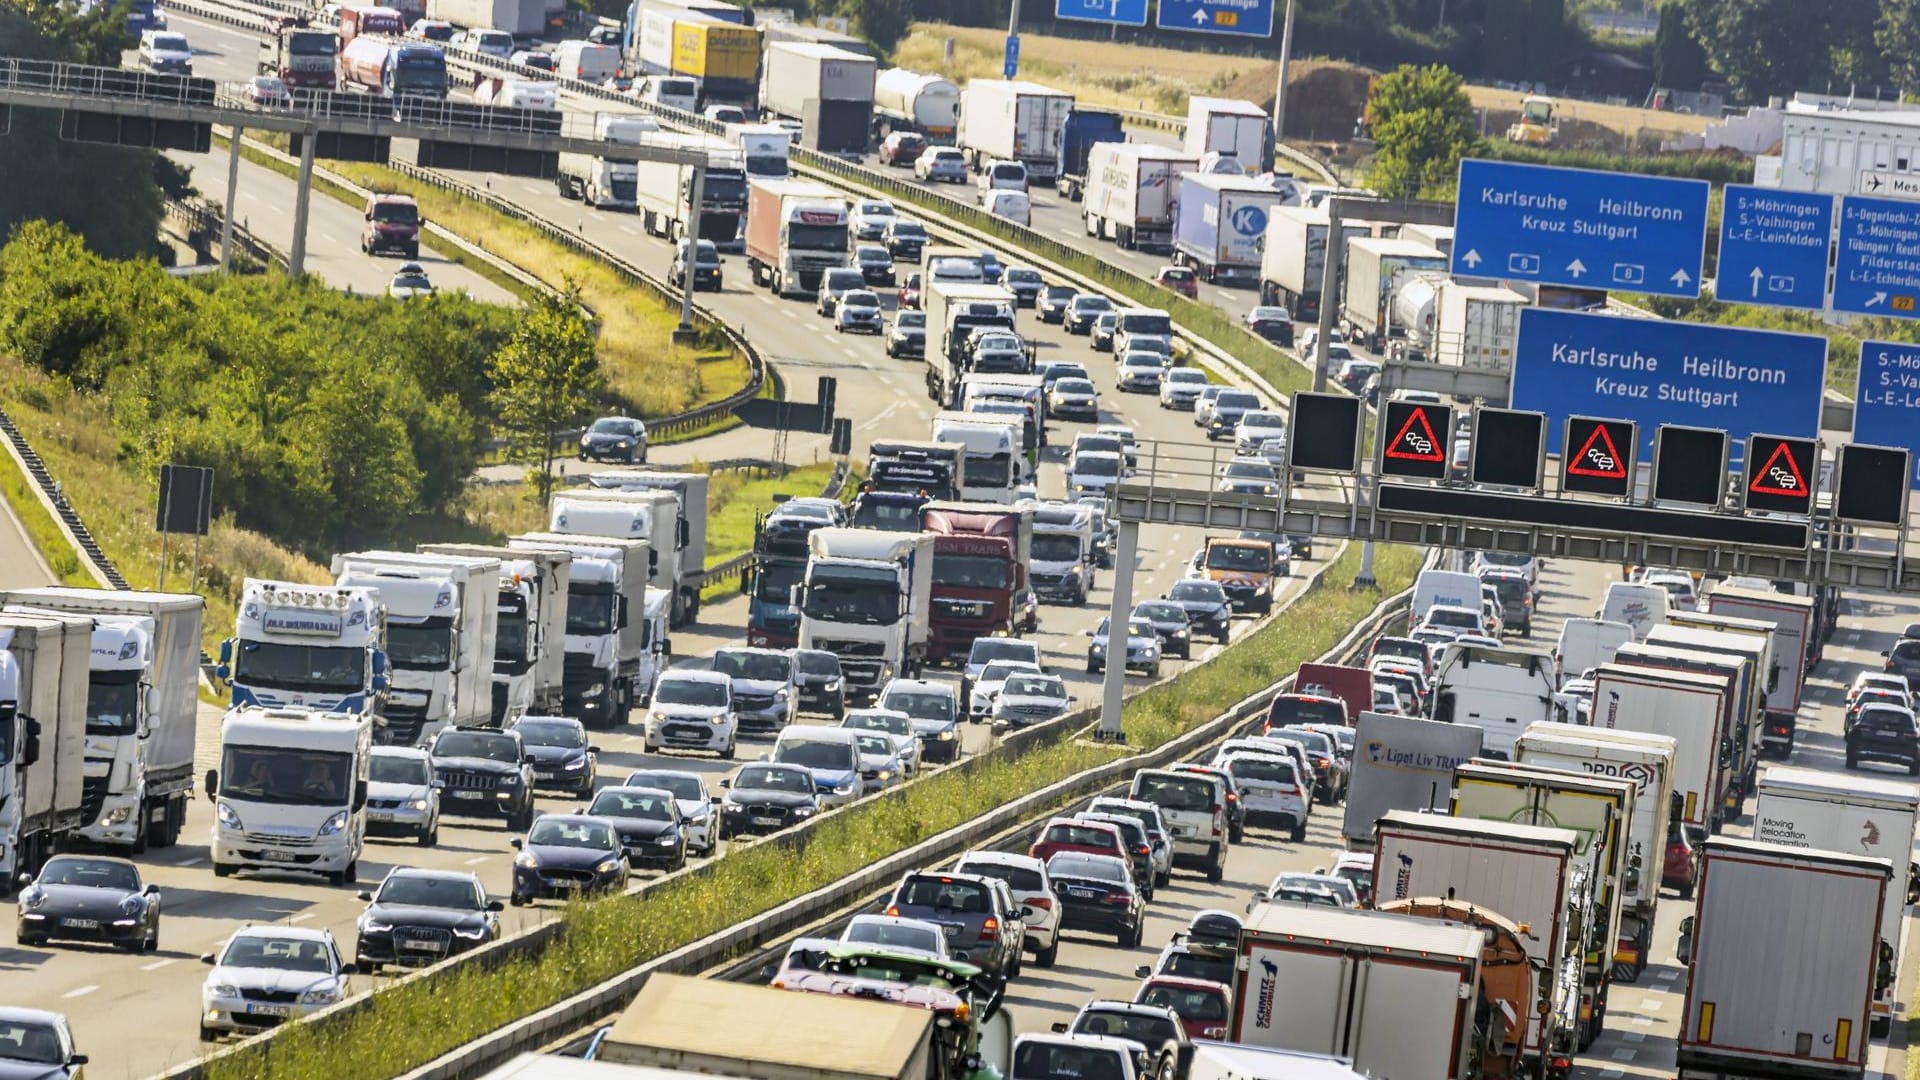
{"type": "Point", "coordinates": [1884, 733]}
{"type": "Point", "coordinates": [484, 774]}
{"type": "Point", "coordinates": [420, 916]}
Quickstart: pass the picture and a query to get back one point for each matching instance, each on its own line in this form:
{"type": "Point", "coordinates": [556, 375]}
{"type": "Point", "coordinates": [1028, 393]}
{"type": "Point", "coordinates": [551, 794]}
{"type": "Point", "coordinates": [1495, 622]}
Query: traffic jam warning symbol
{"type": "Point", "coordinates": [1417, 449]}
{"type": "Point", "coordinates": [1601, 462]}
{"type": "Point", "coordinates": [1778, 483]}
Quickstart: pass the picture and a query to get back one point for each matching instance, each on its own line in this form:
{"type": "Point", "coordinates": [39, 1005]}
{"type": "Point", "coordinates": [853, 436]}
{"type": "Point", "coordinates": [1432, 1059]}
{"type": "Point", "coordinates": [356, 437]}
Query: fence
{"type": "Point", "coordinates": [203, 224]}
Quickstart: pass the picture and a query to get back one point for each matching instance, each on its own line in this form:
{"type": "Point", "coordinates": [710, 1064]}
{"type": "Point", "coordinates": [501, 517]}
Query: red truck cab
{"type": "Point", "coordinates": [980, 554]}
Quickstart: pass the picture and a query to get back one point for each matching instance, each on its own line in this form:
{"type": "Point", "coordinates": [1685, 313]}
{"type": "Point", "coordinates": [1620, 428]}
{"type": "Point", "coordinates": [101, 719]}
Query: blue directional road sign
{"type": "Point", "coordinates": [1654, 372]}
{"type": "Point", "coordinates": [1119, 12]}
{"type": "Point", "coordinates": [1773, 247]}
{"type": "Point", "coordinates": [1242, 18]}
{"type": "Point", "coordinates": [1876, 267]}
{"type": "Point", "coordinates": [1578, 227]}
{"type": "Point", "coordinates": [1012, 65]}
{"type": "Point", "coordinates": [1886, 406]}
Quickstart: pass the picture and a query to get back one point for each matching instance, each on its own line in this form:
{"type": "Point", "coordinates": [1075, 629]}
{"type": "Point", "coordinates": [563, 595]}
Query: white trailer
{"type": "Point", "coordinates": [600, 182]}
{"type": "Point", "coordinates": [1686, 707]}
{"type": "Point", "coordinates": [911, 101]}
{"type": "Point", "coordinates": [521, 18]}
{"type": "Point", "coordinates": [1397, 995]}
{"type": "Point", "coordinates": [1795, 650]}
{"type": "Point", "coordinates": [43, 693]}
{"type": "Point", "coordinates": [1013, 121]}
{"type": "Point", "coordinates": [1757, 1008]}
{"type": "Point", "coordinates": [1231, 1061]}
{"type": "Point", "coordinates": [1230, 128]}
{"type": "Point", "coordinates": [440, 625]}
{"type": "Point", "coordinates": [1586, 644]}
{"type": "Point", "coordinates": [828, 89]}
{"type": "Point", "coordinates": [644, 514]}
{"type": "Point", "coordinates": [1372, 267]}
{"type": "Point", "coordinates": [530, 627]}
{"type": "Point", "coordinates": [1499, 691]}
{"type": "Point", "coordinates": [1293, 258]}
{"type": "Point", "coordinates": [1476, 326]}
{"type": "Point", "coordinates": [1408, 765]}
{"type": "Point", "coordinates": [608, 634]}
{"type": "Point", "coordinates": [1863, 815]}
{"type": "Point", "coordinates": [142, 709]}
{"type": "Point", "coordinates": [1129, 197]}
{"type": "Point", "coordinates": [689, 491]}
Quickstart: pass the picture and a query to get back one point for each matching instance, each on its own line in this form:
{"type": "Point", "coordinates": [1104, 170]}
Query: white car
{"type": "Point", "coordinates": [834, 284]}
{"type": "Point", "coordinates": [267, 91]}
{"type": "Point", "coordinates": [1140, 372]}
{"type": "Point", "coordinates": [1031, 699]}
{"type": "Point", "coordinates": [1128, 441]}
{"type": "Point", "coordinates": [1525, 564]}
{"type": "Point", "coordinates": [1455, 618]}
{"type": "Point", "coordinates": [858, 309]}
{"type": "Point", "coordinates": [1181, 387]}
{"type": "Point", "coordinates": [1311, 335]}
{"type": "Point", "coordinates": [943, 163]}
{"type": "Point", "coordinates": [870, 218]}
{"type": "Point", "coordinates": [166, 52]}
{"type": "Point", "coordinates": [401, 795]}
{"type": "Point", "coordinates": [880, 763]}
{"type": "Point", "coordinates": [1256, 429]}
{"type": "Point", "coordinates": [1681, 591]}
{"type": "Point", "coordinates": [1250, 476]}
{"type": "Point", "coordinates": [1092, 473]}
{"type": "Point", "coordinates": [496, 43]}
{"type": "Point", "coordinates": [987, 686]}
{"type": "Point", "coordinates": [894, 724]}
{"type": "Point", "coordinates": [410, 281]}
{"type": "Point", "coordinates": [692, 710]}
{"type": "Point", "coordinates": [1271, 789]}
{"type": "Point", "coordinates": [264, 976]}
{"type": "Point", "coordinates": [689, 791]}
{"type": "Point", "coordinates": [894, 932]}
{"type": "Point", "coordinates": [1027, 879]}
{"type": "Point", "coordinates": [1203, 403]}
{"type": "Point", "coordinates": [1003, 176]}
{"type": "Point", "coordinates": [1011, 206]}
{"type": "Point", "coordinates": [1071, 397]}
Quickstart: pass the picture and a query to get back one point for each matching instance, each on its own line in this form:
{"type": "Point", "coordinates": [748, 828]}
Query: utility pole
{"type": "Point", "coordinates": [233, 185]}
{"type": "Point", "coordinates": [1280, 90]}
{"type": "Point", "coordinates": [302, 199]}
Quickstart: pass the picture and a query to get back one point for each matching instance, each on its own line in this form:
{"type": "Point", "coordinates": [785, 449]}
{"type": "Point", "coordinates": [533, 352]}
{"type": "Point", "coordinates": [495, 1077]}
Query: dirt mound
{"type": "Point", "coordinates": [1324, 97]}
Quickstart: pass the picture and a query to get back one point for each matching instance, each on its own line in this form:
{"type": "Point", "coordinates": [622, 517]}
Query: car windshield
{"type": "Point", "coordinates": [1057, 293]}
{"type": "Point", "coordinates": [871, 931]}
{"type": "Point", "coordinates": [1190, 1004]}
{"type": "Point", "coordinates": [903, 229]}
{"type": "Point", "coordinates": [925, 706]}
{"type": "Point", "coordinates": [679, 785]}
{"type": "Point", "coordinates": [1270, 314]}
{"type": "Point", "coordinates": [809, 754]}
{"type": "Point", "coordinates": [1263, 420]}
{"type": "Point", "coordinates": [701, 692]}
{"type": "Point", "coordinates": [1314, 740]}
{"type": "Point", "coordinates": [1074, 385]}
{"type": "Point", "coordinates": [1067, 1061]}
{"type": "Point", "coordinates": [1020, 276]}
{"type": "Point", "coordinates": [1256, 558]}
{"type": "Point", "coordinates": [632, 804]}
{"type": "Point", "coordinates": [561, 733]}
{"type": "Point", "coordinates": [612, 426]}
{"type": "Point", "coordinates": [1187, 375]}
{"type": "Point", "coordinates": [1141, 360]}
{"type": "Point", "coordinates": [860, 298]}
{"type": "Point", "coordinates": [1079, 865]}
{"type": "Point", "coordinates": [1199, 591]}
{"type": "Point", "coordinates": [1174, 793]}
{"type": "Point", "coordinates": [1097, 464]}
{"type": "Point", "coordinates": [430, 890]}
{"type": "Point", "coordinates": [1251, 470]}
{"type": "Point", "coordinates": [277, 954]}
{"type": "Point", "coordinates": [768, 779]}
{"type": "Point", "coordinates": [767, 667]}
{"type": "Point", "coordinates": [90, 873]}
{"type": "Point", "coordinates": [1158, 611]}
{"type": "Point", "coordinates": [891, 723]}
{"type": "Point", "coordinates": [1146, 1029]}
{"type": "Point", "coordinates": [1035, 686]}
{"type": "Point", "coordinates": [571, 832]}
{"type": "Point", "coordinates": [911, 319]}
{"type": "Point", "coordinates": [874, 744]}
{"type": "Point", "coordinates": [945, 894]}
{"type": "Point", "coordinates": [395, 769]}
{"type": "Point", "coordinates": [390, 213]}
{"type": "Point", "coordinates": [471, 744]}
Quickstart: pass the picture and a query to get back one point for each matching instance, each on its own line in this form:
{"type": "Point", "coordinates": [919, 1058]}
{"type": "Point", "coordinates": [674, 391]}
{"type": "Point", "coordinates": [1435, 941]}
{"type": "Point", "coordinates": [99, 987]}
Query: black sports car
{"type": "Point", "coordinates": [88, 898]}
{"type": "Point", "coordinates": [420, 916]}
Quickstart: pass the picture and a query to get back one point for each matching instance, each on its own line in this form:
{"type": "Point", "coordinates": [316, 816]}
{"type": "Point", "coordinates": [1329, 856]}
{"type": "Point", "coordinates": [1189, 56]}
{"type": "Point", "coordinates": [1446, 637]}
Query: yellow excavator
{"type": "Point", "coordinates": [1536, 126]}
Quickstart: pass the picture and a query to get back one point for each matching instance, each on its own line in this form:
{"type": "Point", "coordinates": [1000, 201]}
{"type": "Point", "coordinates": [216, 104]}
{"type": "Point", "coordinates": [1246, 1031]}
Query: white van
{"type": "Point", "coordinates": [1641, 607]}
{"type": "Point", "coordinates": [1450, 587]}
{"type": "Point", "coordinates": [1586, 644]}
{"type": "Point", "coordinates": [1003, 176]}
{"type": "Point", "coordinates": [1012, 206]}
{"type": "Point", "coordinates": [671, 91]}
{"type": "Point", "coordinates": [1498, 690]}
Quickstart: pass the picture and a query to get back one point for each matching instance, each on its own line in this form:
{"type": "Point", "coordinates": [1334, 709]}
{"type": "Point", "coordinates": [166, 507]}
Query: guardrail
{"type": "Point", "coordinates": [203, 221]}
{"type": "Point", "coordinates": [52, 494]}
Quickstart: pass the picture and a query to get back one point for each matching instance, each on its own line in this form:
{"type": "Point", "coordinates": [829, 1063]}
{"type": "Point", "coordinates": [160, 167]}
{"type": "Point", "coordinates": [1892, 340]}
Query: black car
{"type": "Point", "coordinates": [615, 438]}
{"type": "Point", "coordinates": [1271, 323]}
{"type": "Point", "coordinates": [1083, 311]}
{"type": "Point", "coordinates": [1212, 929]}
{"type": "Point", "coordinates": [1097, 893]}
{"type": "Point", "coordinates": [1904, 659]}
{"type": "Point", "coordinates": [484, 774]}
{"type": "Point", "coordinates": [420, 916]}
{"type": "Point", "coordinates": [905, 239]}
{"type": "Point", "coordinates": [875, 264]}
{"type": "Point", "coordinates": [817, 679]}
{"type": "Point", "coordinates": [37, 1045]}
{"type": "Point", "coordinates": [565, 855]}
{"type": "Point", "coordinates": [648, 821]}
{"type": "Point", "coordinates": [766, 798]}
{"type": "Point", "coordinates": [1886, 734]}
{"type": "Point", "coordinates": [1170, 624]}
{"type": "Point", "coordinates": [90, 898]}
{"type": "Point", "coordinates": [1208, 610]}
{"type": "Point", "coordinates": [1139, 846]}
{"type": "Point", "coordinates": [1052, 307]}
{"type": "Point", "coordinates": [557, 748]}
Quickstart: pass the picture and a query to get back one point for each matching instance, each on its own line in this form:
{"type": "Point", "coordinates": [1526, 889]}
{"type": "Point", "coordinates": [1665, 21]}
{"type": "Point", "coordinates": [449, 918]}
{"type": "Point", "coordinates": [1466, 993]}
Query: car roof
{"type": "Point", "coordinates": [1003, 858]}
{"type": "Point", "coordinates": [276, 930]}
{"type": "Point", "coordinates": [685, 675]}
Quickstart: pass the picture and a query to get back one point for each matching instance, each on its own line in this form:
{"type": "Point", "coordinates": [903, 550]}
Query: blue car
{"type": "Point", "coordinates": [565, 855]}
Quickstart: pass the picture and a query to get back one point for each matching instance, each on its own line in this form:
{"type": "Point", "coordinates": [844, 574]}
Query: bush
{"type": "Point", "coordinates": [1719, 168]}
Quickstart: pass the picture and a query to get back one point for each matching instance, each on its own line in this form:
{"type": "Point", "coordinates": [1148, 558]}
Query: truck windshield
{"type": "Point", "coordinates": [589, 613]}
{"type": "Point", "coordinates": [113, 702]}
{"type": "Point", "coordinates": [764, 667]}
{"type": "Point", "coordinates": [970, 571]}
{"type": "Point", "coordinates": [724, 189]}
{"type": "Point", "coordinates": [1244, 558]}
{"type": "Point", "coordinates": [773, 583]}
{"type": "Point", "coordinates": [284, 666]}
{"type": "Point", "coordinates": [510, 641]}
{"type": "Point", "coordinates": [7, 725]}
{"type": "Point", "coordinates": [892, 515]}
{"type": "Point", "coordinates": [989, 470]}
{"type": "Point", "coordinates": [771, 165]}
{"type": "Point", "coordinates": [420, 75]}
{"type": "Point", "coordinates": [870, 599]}
{"type": "Point", "coordinates": [817, 237]}
{"type": "Point", "coordinates": [313, 44]}
{"type": "Point", "coordinates": [425, 647]}
{"type": "Point", "coordinates": [396, 213]}
{"type": "Point", "coordinates": [1055, 548]}
{"type": "Point", "coordinates": [275, 774]}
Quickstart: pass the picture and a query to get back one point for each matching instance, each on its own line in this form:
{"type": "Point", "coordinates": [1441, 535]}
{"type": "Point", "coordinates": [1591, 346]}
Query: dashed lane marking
{"type": "Point", "coordinates": [80, 991]}
{"type": "Point", "coordinates": [157, 964]}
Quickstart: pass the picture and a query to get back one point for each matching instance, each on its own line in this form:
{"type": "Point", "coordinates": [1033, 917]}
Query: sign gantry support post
{"type": "Point", "coordinates": [1113, 681]}
{"type": "Point", "coordinates": [233, 186]}
{"type": "Point", "coordinates": [302, 202]}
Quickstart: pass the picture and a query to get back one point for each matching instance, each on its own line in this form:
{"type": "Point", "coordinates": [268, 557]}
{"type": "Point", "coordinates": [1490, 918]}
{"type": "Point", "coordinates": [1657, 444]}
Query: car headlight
{"type": "Point", "coordinates": [780, 695]}
{"type": "Point", "coordinates": [803, 811]}
{"type": "Point", "coordinates": [321, 995]}
{"type": "Point", "coordinates": [576, 763]}
{"type": "Point", "coordinates": [418, 804]}
{"type": "Point", "coordinates": [371, 925]}
{"type": "Point", "coordinates": [226, 815]}
{"type": "Point", "coordinates": [945, 736]}
{"type": "Point", "coordinates": [885, 775]}
{"type": "Point", "coordinates": [718, 718]}
{"type": "Point", "coordinates": [831, 686]}
{"type": "Point", "coordinates": [668, 840]}
{"type": "Point", "coordinates": [844, 789]}
{"type": "Point", "coordinates": [474, 933]}
{"type": "Point", "coordinates": [222, 990]}
{"type": "Point", "coordinates": [132, 905]}
{"type": "Point", "coordinates": [34, 896]}
{"type": "Point", "coordinates": [1180, 633]}
{"type": "Point", "coordinates": [608, 865]}
{"type": "Point", "coordinates": [526, 861]}
{"type": "Point", "coordinates": [1099, 648]}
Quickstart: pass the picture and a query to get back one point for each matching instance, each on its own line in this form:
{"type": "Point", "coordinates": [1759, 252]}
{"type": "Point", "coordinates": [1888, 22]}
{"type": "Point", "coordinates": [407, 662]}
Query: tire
{"type": "Point", "coordinates": [727, 754]}
{"type": "Point", "coordinates": [1129, 938]}
{"type": "Point", "coordinates": [1879, 1026]}
{"type": "Point", "coordinates": [1093, 668]}
{"type": "Point", "coordinates": [1300, 832]}
{"type": "Point", "coordinates": [1046, 957]}
{"type": "Point", "coordinates": [522, 819]}
{"type": "Point", "coordinates": [1686, 891]}
{"type": "Point", "coordinates": [152, 944]}
{"type": "Point", "coordinates": [1236, 834]}
{"type": "Point", "coordinates": [336, 878]}
{"type": "Point", "coordinates": [221, 869]}
{"type": "Point", "coordinates": [207, 1034]}
{"type": "Point", "coordinates": [1161, 877]}
{"type": "Point", "coordinates": [1217, 872]}
{"type": "Point", "coordinates": [1013, 969]}
{"type": "Point", "coordinates": [429, 837]}
{"type": "Point", "coordinates": [1853, 762]}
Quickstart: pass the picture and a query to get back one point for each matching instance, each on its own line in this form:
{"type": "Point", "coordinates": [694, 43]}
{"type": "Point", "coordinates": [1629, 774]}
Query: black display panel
{"type": "Point", "coordinates": [1326, 433]}
{"type": "Point", "coordinates": [1509, 447]}
{"type": "Point", "coordinates": [1689, 465]}
{"type": "Point", "coordinates": [1873, 485]}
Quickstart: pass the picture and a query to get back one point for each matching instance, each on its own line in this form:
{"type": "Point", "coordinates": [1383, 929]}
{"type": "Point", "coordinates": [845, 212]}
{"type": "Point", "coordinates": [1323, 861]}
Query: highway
{"type": "Point", "coordinates": [21, 565]}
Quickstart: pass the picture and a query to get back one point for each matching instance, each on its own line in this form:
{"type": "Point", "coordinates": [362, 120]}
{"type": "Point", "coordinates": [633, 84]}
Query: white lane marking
{"type": "Point", "coordinates": [1666, 976]}
{"type": "Point", "coordinates": [1651, 1003]}
{"type": "Point", "coordinates": [478, 859]}
{"type": "Point", "coordinates": [157, 964]}
{"type": "Point", "coordinates": [300, 918]}
{"type": "Point", "coordinates": [848, 349]}
{"type": "Point", "coordinates": [631, 231]}
{"type": "Point", "coordinates": [1634, 1036]}
{"type": "Point", "coordinates": [194, 861]}
{"type": "Point", "coordinates": [1625, 1055]}
{"type": "Point", "coordinates": [81, 991]}
{"type": "Point", "coordinates": [765, 298]}
{"type": "Point", "coordinates": [1641, 1021]}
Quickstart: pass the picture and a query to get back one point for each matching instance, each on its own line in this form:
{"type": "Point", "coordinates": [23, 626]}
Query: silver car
{"type": "Point", "coordinates": [401, 795]}
{"type": "Point", "coordinates": [1031, 699]}
{"type": "Point", "coordinates": [1140, 371]}
{"type": "Point", "coordinates": [941, 163]}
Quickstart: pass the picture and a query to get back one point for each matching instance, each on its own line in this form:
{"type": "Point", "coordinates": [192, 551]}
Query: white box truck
{"type": "Point", "coordinates": [1230, 128]}
{"type": "Point", "coordinates": [1372, 268]}
{"type": "Point", "coordinates": [1013, 121]}
{"type": "Point", "coordinates": [1585, 644]}
{"type": "Point", "coordinates": [1397, 995]}
{"type": "Point", "coordinates": [1860, 815]}
{"type": "Point", "coordinates": [440, 626]}
{"type": "Point", "coordinates": [1293, 258]}
{"type": "Point", "coordinates": [530, 627]}
{"type": "Point", "coordinates": [1500, 691]}
{"type": "Point", "coordinates": [1744, 658]}
{"type": "Point", "coordinates": [827, 89]}
{"type": "Point", "coordinates": [1757, 1009]}
{"type": "Point", "coordinates": [1688, 708]}
{"type": "Point", "coordinates": [1402, 763]}
{"type": "Point", "coordinates": [1742, 704]}
{"type": "Point", "coordinates": [689, 491]}
{"type": "Point", "coordinates": [663, 190]}
{"type": "Point", "coordinates": [1233, 1061]}
{"type": "Point", "coordinates": [521, 18]}
{"type": "Point", "coordinates": [291, 792]}
{"type": "Point", "coordinates": [640, 514]}
{"type": "Point", "coordinates": [609, 641]}
{"type": "Point", "coordinates": [1796, 649]}
{"type": "Point", "coordinates": [142, 709]}
{"type": "Point", "coordinates": [1475, 327]}
{"type": "Point", "coordinates": [43, 703]}
{"type": "Point", "coordinates": [601, 182]}
{"type": "Point", "coordinates": [1129, 197]}
{"type": "Point", "coordinates": [867, 598]}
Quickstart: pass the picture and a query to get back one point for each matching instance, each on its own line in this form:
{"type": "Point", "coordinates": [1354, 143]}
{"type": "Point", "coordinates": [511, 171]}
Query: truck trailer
{"type": "Point", "coordinates": [1796, 648]}
{"type": "Point", "coordinates": [605, 183]}
{"type": "Point", "coordinates": [1401, 763]}
{"type": "Point", "coordinates": [911, 101]}
{"type": "Point", "coordinates": [796, 231]}
{"type": "Point", "coordinates": [530, 627]}
{"type": "Point", "coordinates": [827, 89]}
{"type": "Point", "coordinates": [1004, 120]}
{"type": "Point", "coordinates": [43, 696]}
{"type": "Point", "coordinates": [1230, 128]}
{"type": "Point", "coordinates": [1690, 709]}
{"type": "Point", "coordinates": [521, 18]}
{"type": "Point", "coordinates": [689, 490]}
{"type": "Point", "coordinates": [440, 626]}
{"type": "Point", "coordinates": [1293, 258]}
{"type": "Point", "coordinates": [1086, 129]}
{"type": "Point", "coordinates": [1220, 225]}
{"type": "Point", "coordinates": [1372, 268]}
{"type": "Point", "coordinates": [607, 655]}
{"type": "Point", "coordinates": [1129, 193]}
{"type": "Point", "coordinates": [1475, 327]}
{"type": "Point", "coordinates": [1741, 724]}
{"type": "Point", "coordinates": [393, 68]}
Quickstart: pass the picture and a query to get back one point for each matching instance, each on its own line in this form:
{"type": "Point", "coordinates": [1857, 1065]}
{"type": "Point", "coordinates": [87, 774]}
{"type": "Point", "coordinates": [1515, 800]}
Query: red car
{"type": "Point", "coordinates": [1681, 866]}
{"type": "Point", "coordinates": [1180, 280]}
{"type": "Point", "coordinates": [909, 293]}
{"type": "Point", "coordinates": [1092, 837]}
{"type": "Point", "coordinates": [902, 148]}
{"type": "Point", "coordinates": [1202, 1005]}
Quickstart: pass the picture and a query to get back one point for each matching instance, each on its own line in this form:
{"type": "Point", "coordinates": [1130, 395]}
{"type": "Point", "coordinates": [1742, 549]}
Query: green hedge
{"type": "Point", "coordinates": [1718, 167]}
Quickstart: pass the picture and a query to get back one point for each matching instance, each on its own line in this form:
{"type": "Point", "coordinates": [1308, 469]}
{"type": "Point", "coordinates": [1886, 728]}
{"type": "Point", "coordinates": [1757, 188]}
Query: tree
{"type": "Point", "coordinates": [545, 379]}
{"type": "Point", "coordinates": [1766, 47]}
{"type": "Point", "coordinates": [1898, 36]}
{"type": "Point", "coordinates": [1679, 62]}
{"type": "Point", "coordinates": [1422, 125]}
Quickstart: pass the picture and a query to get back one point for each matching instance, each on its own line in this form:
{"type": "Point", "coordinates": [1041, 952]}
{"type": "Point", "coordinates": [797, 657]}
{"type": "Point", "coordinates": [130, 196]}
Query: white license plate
{"type": "Point", "coordinates": [269, 1010]}
{"type": "Point", "coordinates": [544, 774]}
{"type": "Point", "coordinates": [278, 856]}
{"type": "Point", "coordinates": [380, 815]}
{"type": "Point", "coordinates": [1084, 894]}
{"type": "Point", "coordinates": [766, 821]}
{"type": "Point", "coordinates": [81, 924]}
{"type": "Point", "coordinates": [423, 946]}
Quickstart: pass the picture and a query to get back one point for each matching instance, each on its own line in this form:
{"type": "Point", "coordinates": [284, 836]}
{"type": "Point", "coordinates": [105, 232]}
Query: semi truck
{"type": "Point", "coordinates": [1757, 1010]}
{"type": "Point", "coordinates": [1687, 707]}
{"type": "Point", "coordinates": [1004, 120]}
{"type": "Point", "coordinates": [1351, 686]}
{"type": "Point", "coordinates": [1372, 268]}
{"type": "Point", "coordinates": [955, 309]}
{"type": "Point", "coordinates": [1086, 129]}
{"type": "Point", "coordinates": [1863, 815]}
{"type": "Point", "coordinates": [867, 598]}
{"type": "Point", "coordinates": [1220, 225]}
{"type": "Point", "coordinates": [1533, 875]}
{"type": "Point", "coordinates": [1498, 690]}
{"type": "Point", "coordinates": [1401, 763]}
{"type": "Point", "coordinates": [1063, 553]}
{"type": "Point", "coordinates": [664, 189]}
{"type": "Point", "coordinates": [1475, 327]}
{"type": "Point", "coordinates": [724, 56]}
{"type": "Point", "coordinates": [290, 793]}
{"type": "Point", "coordinates": [303, 57]}
{"type": "Point", "coordinates": [1129, 193]}
{"type": "Point", "coordinates": [779, 566]}
{"type": "Point", "coordinates": [393, 68]}
{"type": "Point", "coordinates": [609, 643]}
{"type": "Point", "coordinates": [980, 557]}
{"type": "Point", "coordinates": [374, 19]}
{"type": "Point", "coordinates": [530, 627]}
{"type": "Point", "coordinates": [640, 514]}
{"type": "Point", "coordinates": [307, 647]}
{"type": "Point", "coordinates": [1399, 996]}
{"type": "Point", "coordinates": [911, 101]}
{"type": "Point", "coordinates": [796, 231]}
{"type": "Point", "coordinates": [764, 148]}
{"type": "Point", "coordinates": [827, 89]}
{"type": "Point", "coordinates": [1293, 258]}
{"type": "Point", "coordinates": [1233, 129]}
{"type": "Point", "coordinates": [142, 709]}
{"type": "Point", "coordinates": [931, 470]}
{"type": "Point", "coordinates": [689, 491]}
{"type": "Point", "coordinates": [521, 18]}
{"type": "Point", "coordinates": [995, 463]}
{"type": "Point", "coordinates": [43, 737]}
{"type": "Point", "coordinates": [1796, 648]}
{"type": "Point", "coordinates": [1740, 670]}
{"type": "Point", "coordinates": [440, 626]}
{"type": "Point", "coordinates": [600, 182]}
{"type": "Point", "coordinates": [1646, 762]}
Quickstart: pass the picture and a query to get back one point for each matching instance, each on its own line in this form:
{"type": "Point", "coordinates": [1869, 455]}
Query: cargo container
{"type": "Point", "coordinates": [829, 90]}
{"type": "Point", "coordinates": [521, 18]}
{"type": "Point", "coordinates": [1293, 258]}
{"type": "Point", "coordinates": [1402, 763]}
{"type": "Point", "coordinates": [1014, 121]}
{"type": "Point", "coordinates": [1744, 659]}
{"type": "Point", "coordinates": [43, 694]}
{"type": "Point", "coordinates": [911, 101]}
{"type": "Point", "coordinates": [1239, 130]}
{"type": "Point", "coordinates": [601, 182]}
{"type": "Point", "coordinates": [1756, 1009]}
{"type": "Point", "coordinates": [1372, 269]}
{"type": "Point", "coordinates": [689, 490]}
{"type": "Point", "coordinates": [530, 627]}
{"type": "Point", "coordinates": [802, 34]}
{"type": "Point", "coordinates": [1220, 225]}
{"type": "Point", "coordinates": [725, 57]}
{"type": "Point", "coordinates": [1686, 707]}
{"type": "Point", "coordinates": [1796, 648]}
{"type": "Point", "coordinates": [357, 19]}
{"type": "Point", "coordinates": [796, 231]}
{"type": "Point", "coordinates": [1437, 237]}
{"type": "Point", "coordinates": [1129, 193]}
{"type": "Point", "coordinates": [1475, 327]}
{"type": "Point", "coordinates": [393, 68]}
{"type": "Point", "coordinates": [1086, 129]}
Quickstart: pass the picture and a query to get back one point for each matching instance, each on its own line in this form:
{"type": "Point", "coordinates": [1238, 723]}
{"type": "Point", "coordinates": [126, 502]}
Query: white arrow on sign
{"type": "Point", "coordinates": [1876, 298]}
{"type": "Point", "coordinates": [1199, 17]}
{"type": "Point", "coordinates": [1576, 268]}
{"type": "Point", "coordinates": [1756, 276]}
{"type": "Point", "coordinates": [1680, 279]}
{"type": "Point", "coordinates": [1471, 258]}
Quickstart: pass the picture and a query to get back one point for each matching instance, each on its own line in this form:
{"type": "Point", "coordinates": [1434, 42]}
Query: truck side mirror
{"type": "Point", "coordinates": [359, 794]}
{"type": "Point", "coordinates": [30, 742]}
{"type": "Point", "coordinates": [226, 653]}
{"type": "Point", "coordinates": [379, 661]}
{"type": "Point", "coordinates": [212, 783]}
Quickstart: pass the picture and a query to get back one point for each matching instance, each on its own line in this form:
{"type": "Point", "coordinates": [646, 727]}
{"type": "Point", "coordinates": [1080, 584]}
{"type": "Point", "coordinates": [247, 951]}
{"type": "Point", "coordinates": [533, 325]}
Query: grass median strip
{"type": "Point", "coordinates": [416, 1022]}
{"type": "Point", "coordinates": [42, 531]}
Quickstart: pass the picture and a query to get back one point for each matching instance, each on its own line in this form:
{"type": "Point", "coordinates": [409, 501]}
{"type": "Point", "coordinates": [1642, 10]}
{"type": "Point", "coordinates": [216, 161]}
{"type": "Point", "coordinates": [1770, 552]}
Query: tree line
{"type": "Point", "coordinates": [1760, 48]}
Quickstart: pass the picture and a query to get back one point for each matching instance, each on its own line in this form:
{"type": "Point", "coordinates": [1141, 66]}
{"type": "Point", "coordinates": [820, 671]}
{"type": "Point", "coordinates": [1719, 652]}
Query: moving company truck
{"type": "Point", "coordinates": [440, 626]}
{"type": "Point", "coordinates": [1220, 225]}
{"type": "Point", "coordinates": [796, 231]}
{"type": "Point", "coordinates": [1401, 763]}
{"type": "Point", "coordinates": [1293, 258]}
{"type": "Point", "coordinates": [142, 702]}
{"type": "Point", "coordinates": [609, 639]}
{"type": "Point", "coordinates": [1755, 1009]}
{"type": "Point", "coordinates": [1234, 129]}
{"type": "Point", "coordinates": [529, 627]}
{"type": "Point", "coordinates": [1398, 995]}
{"type": "Point", "coordinates": [910, 101]}
{"type": "Point", "coordinates": [867, 599]}
{"type": "Point", "coordinates": [1013, 121]}
{"type": "Point", "coordinates": [43, 736]}
{"type": "Point", "coordinates": [307, 647]}
{"type": "Point", "coordinates": [1858, 815]}
{"type": "Point", "coordinates": [1690, 709]}
{"type": "Point", "coordinates": [1129, 196]}
{"type": "Point", "coordinates": [1373, 267]}
{"type": "Point", "coordinates": [1796, 647]}
{"type": "Point", "coordinates": [828, 90]}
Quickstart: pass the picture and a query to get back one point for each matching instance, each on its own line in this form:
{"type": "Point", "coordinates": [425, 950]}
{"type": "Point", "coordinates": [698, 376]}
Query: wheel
{"type": "Point", "coordinates": [1013, 968]}
{"type": "Point", "coordinates": [1686, 891]}
{"type": "Point", "coordinates": [1186, 652]}
{"type": "Point", "coordinates": [1216, 872]}
{"type": "Point", "coordinates": [1161, 877]}
{"type": "Point", "coordinates": [1300, 832]}
{"type": "Point", "coordinates": [1879, 1026]}
{"type": "Point", "coordinates": [152, 944]}
{"type": "Point", "coordinates": [413, 252]}
{"type": "Point", "coordinates": [336, 877]}
{"type": "Point", "coordinates": [1093, 668]}
{"type": "Point", "coordinates": [207, 1034]}
{"type": "Point", "coordinates": [1236, 833]}
{"type": "Point", "coordinates": [429, 836]}
{"type": "Point", "coordinates": [1130, 937]}
{"type": "Point", "coordinates": [221, 869]}
{"type": "Point", "coordinates": [727, 754]}
{"type": "Point", "coordinates": [1045, 957]}
{"type": "Point", "coordinates": [1852, 761]}
{"type": "Point", "coordinates": [516, 900]}
{"type": "Point", "coordinates": [522, 819]}
{"type": "Point", "coordinates": [140, 828]}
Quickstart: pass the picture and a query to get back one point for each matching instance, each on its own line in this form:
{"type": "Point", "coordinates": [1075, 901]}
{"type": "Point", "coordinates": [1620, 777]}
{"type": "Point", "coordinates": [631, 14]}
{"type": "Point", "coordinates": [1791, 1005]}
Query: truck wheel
{"type": "Point", "coordinates": [1879, 1026]}
{"type": "Point", "coordinates": [140, 828]}
{"type": "Point", "coordinates": [1686, 890]}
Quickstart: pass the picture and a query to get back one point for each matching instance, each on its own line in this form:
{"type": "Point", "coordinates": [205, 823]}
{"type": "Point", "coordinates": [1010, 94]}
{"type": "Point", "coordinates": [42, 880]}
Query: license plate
{"type": "Point", "coordinates": [423, 946]}
{"type": "Point", "coordinates": [81, 924]}
{"type": "Point", "coordinates": [1084, 894]}
{"type": "Point", "coordinates": [766, 821]}
{"type": "Point", "coordinates": [544, 774]}
{"type": "Point", "coordinates": [269, 1010]}
{"type": "Point", "coordinates": [952, 930]}
{"type": "Point", "coordinates": [1185, 830]}
{"type": "Point", "coordinates": [278, 856]}
{"type": "Point", "coordinates": [380, 815]}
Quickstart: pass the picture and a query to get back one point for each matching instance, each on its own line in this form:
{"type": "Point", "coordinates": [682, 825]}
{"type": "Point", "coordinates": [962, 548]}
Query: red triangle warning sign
{"type": "Point", "coordinates": [1780, 475]}
{"type": "Point", "coordinates": [1599, 457]}
{"type": "Point", "coordinates": [1411, 445]}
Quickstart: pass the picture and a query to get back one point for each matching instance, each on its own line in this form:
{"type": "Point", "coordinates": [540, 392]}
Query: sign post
{"type": "Point", "coordinates": [186, 506]}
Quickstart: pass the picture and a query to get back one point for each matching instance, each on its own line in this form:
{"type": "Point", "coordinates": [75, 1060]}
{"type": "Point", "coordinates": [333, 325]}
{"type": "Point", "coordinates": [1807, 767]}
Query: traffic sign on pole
{"type": "Point", "coordinates": [1326, 432]}
{"type": "Point", "coordinates": [1509, 448]}
{"type": "Point", "coordinates": [1773, 247]}
{"type": "Point", "coordinates": [1118, 12]}
{"type": "Point", "coordinates": [1779, 482]}
{"type": "Point", "coordinates": [1242, 18]}
{"type": "Point", "coordinates": [1875, 271]}
{"type": "Point", "coordinates": [1654, 372]}
{"type": "Point", "coordinates": [1601, 461]}
{"type": "Point", "coordinates": [1011, 66]}
{"type": "Point", "coordinates": [1886, 404]}
{"type": "Point", "coordinates": [1417, 446]}
{"type": "Point", "coordinates": [1580, 227]}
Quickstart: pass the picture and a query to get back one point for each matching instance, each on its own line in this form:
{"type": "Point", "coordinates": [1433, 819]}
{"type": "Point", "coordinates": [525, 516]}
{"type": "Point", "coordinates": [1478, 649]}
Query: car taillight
{"type": "Point", "coordinates": [1041, 903]}
{"type": "Point", "coordinates": [1144, 849]}
{"type": "Point", "coordinates": [1233, 796]}
{"type": "Point", "coordinates": [1117, 898]}
{"type": "Point", "coordinates": [990, 928]}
